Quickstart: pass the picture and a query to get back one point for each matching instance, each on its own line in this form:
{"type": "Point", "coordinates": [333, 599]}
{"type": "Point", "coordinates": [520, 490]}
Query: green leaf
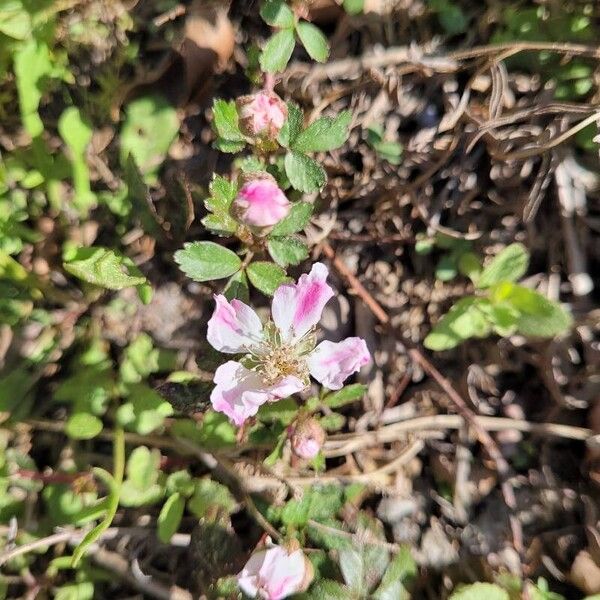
{"type": "Point", "coordinates": [170, 516]}
{"type": "Point", "coordinates": [83, 590]}
{"type": "Point", "coordinates": [453, 19]}
{"type": "Point", "coordinates": [83, 426]}
{"type": "Point", "coordinates": [266, 276]}
{"type": "Point", "coordinates": [324, 134]}
{"type": "Point", "coordinates": [464, 320]}
{"type": "Point", "coordinates": [332, 421]}
{"type": "Point", "coordinates": [354, 7]}
{"type": "Point", "coordinates": [327, 589]}
{"type": "Point", "coordinates": [277, 51]}
{"type": "Point", "coordinates": [15, 21]}
{"type": "Point", "coordinates": [293, 125]}
{"type": "Point", "coordinates": [283, 411]}
{"type": "Point", "coordinates": [538, 316]}
{"type": "Point", "coordinates": [287, 250]}
{"type": "Point", "coordinates": [226, 121]}
{"type": "Point", "coordinates": [313, 40]}
{"type": "Point", "coordinates": [141, 487]}
{"type": "Point", "coordinates": [398, 576]}
{"type": "Point", "coordinates": [477, 591]}
{"type": "Point", "coordinates": [229, 146]}
{"type": "Point", "coordinates": [214, 432]}
{"type": "Point", "coordinates": [510, 265]}
{"type": "Point", "coordinates": [446, 268]}
{"type": "Point", "coordinates": [317, 503]}
{"type": "Point", "coordinates": [277, 14]}
{"type": "Point", "coordinates": [469, 265]}
{"type": "Point", "coordinates": [209, 495]}
{"type": "Point", "coordinates": [347, 394]}
{"type": "Point", "coordinates": [103, 267]}
{"type": "Point", "coordinates": [305, 174]}
{"type": "Point", "coordinates": [222, 194]}
{"type": "Point", "coordinates": [144, 411]}
{"type": "Point", "coordinates": [297, 220]}
{"type": "Point", "coordinates": [237, 287]}
{"type": "Point", "coordinates": [205, 261]}
{"type": "Point", "coordinates": [151, 124]}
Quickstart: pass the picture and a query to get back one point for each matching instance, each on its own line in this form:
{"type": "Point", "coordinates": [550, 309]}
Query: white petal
{"type": "Point", "coordinates": [331, 364]}
{"type": "Point", "coordinates": [298, 307]}
{"type": "Point", "coordinates": [234, 327]}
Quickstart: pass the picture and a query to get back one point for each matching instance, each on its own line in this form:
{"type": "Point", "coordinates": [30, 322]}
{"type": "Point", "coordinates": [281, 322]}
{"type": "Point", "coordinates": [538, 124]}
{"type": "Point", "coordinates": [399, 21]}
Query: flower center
{"type": "Point", "coordinates": [282, 361]}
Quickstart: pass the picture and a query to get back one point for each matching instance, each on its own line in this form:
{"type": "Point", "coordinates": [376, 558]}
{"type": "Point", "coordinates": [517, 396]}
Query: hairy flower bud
{"type": "Point", "coordinates": [262, 115]}
{"type": "Point", "coordinates": [260, 202]}
{"type": "Point", "coordinates": [276, 573]}
{"type": "Point", "coordinates": [307, 438]}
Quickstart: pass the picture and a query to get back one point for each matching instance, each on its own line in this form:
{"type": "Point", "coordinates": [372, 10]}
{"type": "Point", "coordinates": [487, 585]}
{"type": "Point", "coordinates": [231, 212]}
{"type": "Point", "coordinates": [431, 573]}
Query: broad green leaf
{"type": "Point", "coordinates": [464, 320]}
{"type": "Point", "coordinates": [205, 261]}
{"type": "Point", "coordinates": [283, 411]}
{"type": "Point", "coordinates": [277, 51]}
{"type": "Point", "coordinates": [479, 591]}
{"type": "Point", "coordinates": [144, 410]}
{"type": "Point", "coordinates": [398, 577]}
{"type": "Point", "coordinates": [287, 250]}
{"type": "Point", "coordinates": [15, 21]}
{"type": "Point", "coordinates": [470, 266]}
{"type": "Point", "coordinates": [266, 276]}
{"type": "Point", "coordinates": [141, 485]}
{"type": "Point", "coordinates": [347, 394]}
{"type": "Point", "coordinates": [313, 40]}
{"type": "Point", "coordinates": [170, 516]}
{"type": "Point", "coordinates": [180, 482]}
{"type": "Point", "coordinates": [83, 426]}
{"type": "Point", "coordinates": [317, 503]}
{"type": "Point", "coordinates": [296, 220]}
{"type": "Point", "coordinates": [305, 174]}
{"type": "Point", "coordinates": [510, 265]}
{"type": "Point", "coordinates": [324, 134]}
{"type": "Point", "coordinates": [151, 124]}
{"type": "Point", "coordinates": [103, 267]}
{"type": "Point", "coordinates": [208, 496]}
{"type": "Point", "coordinates": [502, 316]}
{"type": "Point", "coordinates": [538, 316]}
{"type": "Point", "coordinates": [293, 125]}
{"type": "Point", "coordinates": [214, 432]}
{"type": "Point", "coordinates": [354, 7]}
{"type": "Point", "coordinates": [237, 287]}
{"type": "Point", "coordinates": [327, 589]}
{"type": "Point", "coordinates": [277, 14]}
{"type": "Point", "coordinates": [226, 121]}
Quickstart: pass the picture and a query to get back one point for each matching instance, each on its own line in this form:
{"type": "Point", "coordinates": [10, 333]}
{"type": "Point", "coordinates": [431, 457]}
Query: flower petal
{"type": "Point", "coordinates": [298, 307]}
{"type": "Point", "coordinates": [260, 202]}
{"type": "Point", "coordinates": [332, 363]}
{"type": "Point", "coordinates": [238, 393]}
{"type": "Point", "coordinates": [234, 327]}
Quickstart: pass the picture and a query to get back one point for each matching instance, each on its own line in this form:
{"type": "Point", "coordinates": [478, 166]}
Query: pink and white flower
{"type": "Point", "coordinates": [260, 202]}
{"type": "Point", "coordinates": [261, 115]}
{"type": "Point", "coordinates": [275, 573]}
{"type": "Point", "coordinates": [279, 357]}
{"type": "Point", "coordinates": [307, 438]}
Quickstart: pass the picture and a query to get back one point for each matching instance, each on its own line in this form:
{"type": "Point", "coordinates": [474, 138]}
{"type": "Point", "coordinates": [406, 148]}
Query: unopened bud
{"type": "Point", "coordinates": [262, 115]}
{"type": "Point", "coordinates": [307, 438]}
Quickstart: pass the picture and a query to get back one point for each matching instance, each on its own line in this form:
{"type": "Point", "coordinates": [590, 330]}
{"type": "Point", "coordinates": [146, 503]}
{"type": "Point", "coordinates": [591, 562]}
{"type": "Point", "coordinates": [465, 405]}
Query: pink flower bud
{"type": "Point", "coordinates": [262, 115]}
{"type": "Point", "coordinates": [307, 438]}
{"type": "Point", "coordinates": [260, 202]}
{"type": "Point", "coordinates": [275, 573]}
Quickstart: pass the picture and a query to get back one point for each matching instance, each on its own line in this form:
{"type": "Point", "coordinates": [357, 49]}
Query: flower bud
{"type": "Point", "coordinates": [262, 115]}
{"type": "Point", "coordinates": [276, 573]}
{"type": "Point", "coordinates": [260, 203]}
{"type": "Point", "coordinates": [307, 438]}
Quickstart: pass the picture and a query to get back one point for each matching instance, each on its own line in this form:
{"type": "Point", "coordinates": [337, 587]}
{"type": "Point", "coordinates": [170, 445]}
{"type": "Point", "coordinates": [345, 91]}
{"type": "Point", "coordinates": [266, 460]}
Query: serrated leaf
{"type": "Point", "coordinates": [398, 576]}
{"type": "Point", "coordinates": [237, 287]}
{"type": "Point", "coordinates": [103, 267]}
{"type": "Point", "coordinates": [287, 250]}
{"type": "Point", "coordinates": [324, 134]}
{"type": "Point", "coordinates": [220, 223]}
{"type": "Point", "coordinates": [463, 321]}
{"type": "Point", "coordinates": [347, 394]}
{"type": "Point", "coordinates": [510, 265]}
{"type": "Point", "coordinates": [266, 276]}
{"type": "Point", "coordinates": [83, 426]}
{"type": "Point", "coordinates": [277, 14]}
{"type": "Point", "coordinates": [297, 220]}
{"type": "Point", "coordinates": [327, 589]}
{"type": "Point", "coordinates": [222, 193]}
{"type": "Point", "coordinates": [226, 121]}
{"type": "Point", "coordinates": [277, 51]}
{"type": "Point", "coordinates": [170, 516]}
{"type": "Point", "coordinates": [313, 40]}
{"type": "Point", "coordinates": [208, 495]}
{"type": "Point", "coordinates": [205, 261]}
{"type": "Point", "coordinates": [317, 503]}
{"type": "Point", "coordinates": [293, 125]}
{"type": "Point", "coordinates": [305, 174]}
{"type": "Point", "coordinates": [478, 591]}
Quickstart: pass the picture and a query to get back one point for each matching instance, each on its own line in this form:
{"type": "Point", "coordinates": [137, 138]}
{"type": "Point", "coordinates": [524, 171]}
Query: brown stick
{"type": "Point", "coordinates": [461, 406]}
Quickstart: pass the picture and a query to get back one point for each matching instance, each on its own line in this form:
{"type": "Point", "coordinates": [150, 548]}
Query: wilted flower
{"type": "Point", "coordinates": [307, 438]}
{"type": "Point", "coordinates": [280, 356]}
{"type": "Point", "coordinates": [260, 202]}
{"type": "Point", "coordinates": [262, 115]}
{"type": "Point", "coordinates": [275, 573]}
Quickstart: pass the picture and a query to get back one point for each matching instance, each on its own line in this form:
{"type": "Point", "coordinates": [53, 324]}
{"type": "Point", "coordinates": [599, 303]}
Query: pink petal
{"type": "Point", "coordinates": [260, 203]}
{"type": "Point", "coordinates": [332, 363]}
{"type": "Point", "coordinates": [234, 327]}
{"type": "Point", "coordinates": [298, 307]}
{"type": "Point", "coordinates": [240, 392]}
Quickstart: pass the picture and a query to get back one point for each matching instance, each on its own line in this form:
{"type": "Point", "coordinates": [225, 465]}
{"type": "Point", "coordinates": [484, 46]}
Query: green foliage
{"type": "Point", "coordinates": [296, 220]}
{"type": "Point", "coordinates": [170, 517]}
{"type": "Point", "coordinates": [266, 276]}
{"type": "Point", "coordinates": [205, 261]}
{"type": "Point", "coordinates": [144, 411]}
{"type": "Point", "coordinates": [450, 16]}
{"type": "Point", "coordinates": [348, 394]}
{"type": "Point", "coordinates": [277, 14]}
{"type": "Point", "coordinates": [142, 486]}
{"type": "Point", "coordinates": [226, 124]}
{"type": "Point", "coordinates": [287, 251]}
{"type": "Point", "coordinates": [210, 497]}
{"type": "Point", "coordinates": [354, 7]}
{"type": "Point", "coordinates": [277, 51]}
{"type": "Point", "coordinates": [476, 591]}
{"type": "Point", "coordinates": [506, 308]}
{"type": "Point", "coordinates": [222, 194]}
{"type": "Point", "coordinates": [305, 174]}
{"type": "Point", "coordinates": [386, 150]}
{"type": "Point", "coordinates": [313, 40]}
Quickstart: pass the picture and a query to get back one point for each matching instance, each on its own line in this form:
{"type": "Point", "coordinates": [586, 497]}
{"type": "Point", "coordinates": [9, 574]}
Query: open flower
{"type": "Point", "coordinates": [262, 115]}
{"type": "Point", "coordinates": [280, 357]}
{"type": "Point", "coordinates": [275, 573]}
{"type": "Point", "coordinates": [260, 203]}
